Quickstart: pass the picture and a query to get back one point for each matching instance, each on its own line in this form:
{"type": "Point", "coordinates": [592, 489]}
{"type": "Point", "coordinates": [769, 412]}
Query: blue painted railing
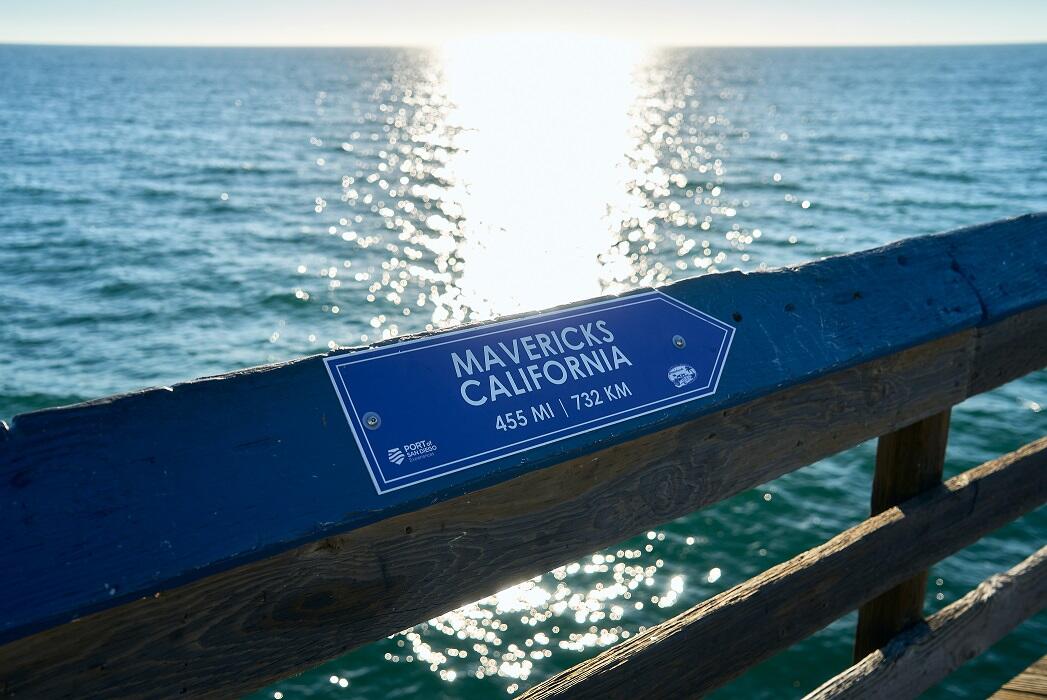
{"type": "Point", "coordinates": [110, 501]}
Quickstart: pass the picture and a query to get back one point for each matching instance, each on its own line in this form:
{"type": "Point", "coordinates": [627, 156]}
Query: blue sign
{"type": "Point", "coordinates": [424, 408]}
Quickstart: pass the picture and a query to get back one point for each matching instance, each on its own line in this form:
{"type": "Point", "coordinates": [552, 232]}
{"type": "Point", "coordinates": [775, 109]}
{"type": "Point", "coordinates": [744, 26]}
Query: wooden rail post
{"type": "Point", "coordinates": [908, 461]}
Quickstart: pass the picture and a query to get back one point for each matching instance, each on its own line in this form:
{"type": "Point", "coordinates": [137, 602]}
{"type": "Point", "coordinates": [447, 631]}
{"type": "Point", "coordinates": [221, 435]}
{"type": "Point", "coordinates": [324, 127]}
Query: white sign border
{"type": "Point", "coordinates": [333, 363]}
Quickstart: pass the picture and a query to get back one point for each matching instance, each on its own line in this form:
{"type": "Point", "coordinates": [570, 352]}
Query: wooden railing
{"type": "Point", "coordinates": [708, 645]}
{"type": "Point", "coordinates": [218, 535]}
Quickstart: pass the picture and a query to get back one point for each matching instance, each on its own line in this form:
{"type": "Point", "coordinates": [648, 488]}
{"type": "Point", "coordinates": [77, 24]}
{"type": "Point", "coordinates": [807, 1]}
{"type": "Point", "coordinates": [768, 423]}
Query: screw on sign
{"type": "Point", "coordinates": [508, 387]}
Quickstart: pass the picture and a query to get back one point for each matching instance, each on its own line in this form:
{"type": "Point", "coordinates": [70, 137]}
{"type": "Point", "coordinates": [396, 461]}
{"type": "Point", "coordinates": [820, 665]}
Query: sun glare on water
{"type": "Point", "coordinates": [525, 105]}
{"type": "Point", "coordinates": [515, 173]}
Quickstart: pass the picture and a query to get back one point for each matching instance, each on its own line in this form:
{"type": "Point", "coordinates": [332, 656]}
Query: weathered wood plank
{"type": "Point", "coordinates": [258, 622]}
{"type": "Point", "coordinates": [264, 620]}
{"type": "Point", "coordinates": [160, 472]}
{"type": "Point", "coordinates": [200, 489]}
{"type": "Point", "coordinates": [924, 654]}
{"type": "Point", "coordinates": [1015, 695]}
{"type": "Point", "coordinates": [1030, 684]}
{"type": "Point", "coordinates": [704, 647]}
{"type": "Point", "coordinates": [1009, 349]}
{"type": "Point", "coordinates": [1005, 278]}
{"type": "Point", "coordinates": [908, 461]}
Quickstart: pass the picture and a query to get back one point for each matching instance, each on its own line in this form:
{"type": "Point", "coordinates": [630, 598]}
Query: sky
{"type": "Point", "coordinates": [434, 22]}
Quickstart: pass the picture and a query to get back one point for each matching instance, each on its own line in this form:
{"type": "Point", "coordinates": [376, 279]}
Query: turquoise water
{"type": "Point", "coordinates": [166, 214]}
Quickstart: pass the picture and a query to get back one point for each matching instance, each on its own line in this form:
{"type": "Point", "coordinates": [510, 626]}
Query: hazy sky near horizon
{"type": "Point", "coordinates": [417, 22]}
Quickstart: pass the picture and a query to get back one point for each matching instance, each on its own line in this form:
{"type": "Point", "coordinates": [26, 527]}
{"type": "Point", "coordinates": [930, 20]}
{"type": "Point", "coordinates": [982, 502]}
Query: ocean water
{"type": "Point", "coordinates": [171, 213]}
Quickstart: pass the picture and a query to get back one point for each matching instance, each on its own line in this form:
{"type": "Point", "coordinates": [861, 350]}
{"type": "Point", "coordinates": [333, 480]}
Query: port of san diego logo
{"type": "Point", "coordinates": [411, 452]}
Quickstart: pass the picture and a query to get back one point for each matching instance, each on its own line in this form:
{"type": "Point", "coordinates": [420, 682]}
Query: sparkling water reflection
{"type": "Point", "coordinates": [461, 159]}
{"type": "Point", "coordinates": [268, 204]}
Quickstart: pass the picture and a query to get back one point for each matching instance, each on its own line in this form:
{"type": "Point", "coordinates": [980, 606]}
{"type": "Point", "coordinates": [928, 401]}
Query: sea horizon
{"type": "Point", "coordinates": [173, 212]}
{"type": "Point", "coordinates": [536, 35]}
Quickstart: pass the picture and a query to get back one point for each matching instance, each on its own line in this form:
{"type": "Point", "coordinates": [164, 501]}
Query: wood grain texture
{"type": "Point", "coordinates": [923, 655]}
{"type": "Point", "coordinates": [261, 621]}
{"type": "Point", "coordinates": [706, 646]}
{"type": "Point", "coordinates": [908, 461]}
{"type": "Point", "coordinates": [1008, 349]}
{"type": "Point", "coordinates": [258, 622]}
{"type": "Point", "coordinates": [214, 536]}
{"type": "Point", "coordinates": [1007, 694]}
{"type": "Point", "coordinates": [109, 501]}
{"type": "Point", "coordinates": [1030, 684]}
